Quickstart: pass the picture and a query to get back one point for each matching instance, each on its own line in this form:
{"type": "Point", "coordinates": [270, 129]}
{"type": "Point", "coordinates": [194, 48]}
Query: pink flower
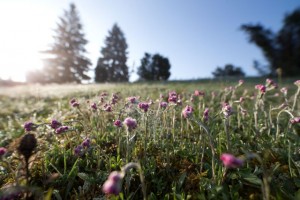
{"type": "Point", "coordinates": [271, 83]}
{"type": "Point", "coordinates": [226, 109]}
{"type": "Point", "coordinates": [2, 151]}
{"type": "Point", "coordinates": [118, 123]}
{"type": "Point", "coordinates": [144, 106]}
{"type": "Point", "coordinates": [107, 108]}
{"type": "Point", "coordinates": [297, 83]}
{"type": "Point", "coordinates": [187, 111]}
{"type": "Point", "coordinates": [284, 91]}
{"type": "Point", "coordinates": [94, 106]}
{"type": "Point", "coordinates": [199, 93]}
{"type": "Point", "coordinates": [113, 184]}
{"type": "Point", "coordinates": [132, 100]}
{"type": "Point", "coordinates": [61, 129]}
{"type": "Point", "coordinates": [172, 97]}
{"type": "Point", "coordinates": [295, 120]}
{"type": "Point", "coordinates": [261, 88]}
{"type": "Point", "coordinates": [163, 104]}
{"type": "Point", "coordinates": [241, 82]}
{"type": "Point", "coordinates": [230, 161]}
{"type": "Point", "coordinates": [130, 123]}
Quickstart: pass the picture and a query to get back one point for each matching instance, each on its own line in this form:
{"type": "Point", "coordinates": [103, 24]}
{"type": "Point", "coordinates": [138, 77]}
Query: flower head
{"type": "Point", "coordinates": [113, 184]}
{"type": "Point", "coordinates": [261, 88]}
{"type": "Point", "coordinates": [199, 93]}
{"type": "Point", "coordinates": [118, 123]}
{"type": "Point", "coordinates": [172, 97]}
{"type": "Point", "coordinates": [86, 143]}
{"type": "Point", "coordinates": [271, 83]}
{"type": "Point", "coordinates": [94, 106]}
{"type": "Point", "coordinates": [2, 151]}
{"type": "Point", "coordinates": [55, 124]}
{"type": "Point", "coordinates": [163, 104]}
{"type": "Point", "coordinates": [144, 106]}
{"type": "Point", "coordinates": [130, 123]}
{"type": "Point", "coordinates": [28, 126]}
{"type": "Point", "coordinates": [297, 83]}
{"type": "Point", "coordinates": [78, 151]}
{"type": "Point", "coordinates": [284, 90]}
{"type": "Point", "coordinates": [295, 120]}
{"type": "Point", "coordinates": [132, 100]}
{"type": "Point", "coordinates": [230, 161]}
{"type": "Point", "coordinates": [206, 114]}
{"type": "Point", "coordinates": [61, 129]}
{"type": "Point", "coordinates": [226, 109]}
{"type": "Point", "coordinates": [187, 111]}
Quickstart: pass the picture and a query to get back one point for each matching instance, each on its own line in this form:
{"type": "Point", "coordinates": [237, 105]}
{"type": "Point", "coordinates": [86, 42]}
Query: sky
{"type": "Point", "coordinates": [195, 35]}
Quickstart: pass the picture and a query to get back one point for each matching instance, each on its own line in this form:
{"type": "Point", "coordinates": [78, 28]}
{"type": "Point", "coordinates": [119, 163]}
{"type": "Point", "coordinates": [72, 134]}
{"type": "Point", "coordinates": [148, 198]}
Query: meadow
{"type": "Point", "coordinates": [236, 139]}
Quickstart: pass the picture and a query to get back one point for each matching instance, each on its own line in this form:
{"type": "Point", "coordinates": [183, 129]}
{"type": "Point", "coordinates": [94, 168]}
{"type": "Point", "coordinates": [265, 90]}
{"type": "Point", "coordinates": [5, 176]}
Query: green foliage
{"type": "Point", "coordinates": [154, 68]}
{"type": "Point", "coordinates": [111, 66]}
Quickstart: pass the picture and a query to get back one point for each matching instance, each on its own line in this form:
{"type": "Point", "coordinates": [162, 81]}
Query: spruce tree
{"type": "Point", "coordinates": [111, 66]}
{"type": "Point", "coordinates": [67, 61]}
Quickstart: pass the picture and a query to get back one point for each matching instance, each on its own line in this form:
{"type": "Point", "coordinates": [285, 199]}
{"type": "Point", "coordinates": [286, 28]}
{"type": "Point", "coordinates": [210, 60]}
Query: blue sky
{"type": "Point", "coordinates": [196, 35]}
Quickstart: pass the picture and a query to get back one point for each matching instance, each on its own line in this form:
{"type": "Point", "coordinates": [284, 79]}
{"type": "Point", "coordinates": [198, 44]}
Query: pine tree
{"type": "Point", "coordinates": [67, 62]}
{"type": "Point", "coordinates": [111, 66]}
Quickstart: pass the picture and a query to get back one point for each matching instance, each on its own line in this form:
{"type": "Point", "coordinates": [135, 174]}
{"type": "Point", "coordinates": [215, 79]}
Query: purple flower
{"type": "Point", "coordinates": [28, 126]}
{"type": "Point", "coordinates": [72, 101]}
{"type": "Point", "coordinates": [130, 123]}
{"type": "Point", "coordinates": [118, 123]}
{"type": "Point", "coordinates": [86, 143]}
{"type": "Point", "coordinates": [144, 106]}
{"type": "Point", "coordinates": [226, 109]}
{"type": "Point", "coordinates": [2, 151]}
{"type": "Point", "coordinates": [199, 93]}
{"type": "Point", "coordinates": [78, 151]}
{"type": "Point", "coordinates": [75, 104]}
{"type": "Point", "coordinates": [107, 108]}
{"type": "Point", "coordinates": [55, 124]}
{"type": "Point", "coordinates": [163, 104]}
{"type": "Point", "coordinates": [206, 114]}
{"type": "Point", "coordinates": [113, 184]}
{"type": "Point", "coordinates": [94, 106]}
{"type": "Point", "coordinates": [132, 100]}
{"type": "Point", "coordinates": [61, 129]}
{"type": "Point", "coordinates": [230, 161]}
{"type": "Point", "coordinates": [187, 111]}
{"type": "Point", "coordinates": [172, 97]}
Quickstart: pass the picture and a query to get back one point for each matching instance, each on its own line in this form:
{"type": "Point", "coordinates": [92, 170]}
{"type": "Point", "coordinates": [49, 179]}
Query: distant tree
{"type": "Point", "coordinates": [228, 70]}
{"type": "Point", "coordinates": [111, 66]}
{"type": "Point", "coordinates": [281, 49]}
{"type": "Point", "coordinates": [154, 68]}
{"type": "Point", "coordinates": [67, 62]}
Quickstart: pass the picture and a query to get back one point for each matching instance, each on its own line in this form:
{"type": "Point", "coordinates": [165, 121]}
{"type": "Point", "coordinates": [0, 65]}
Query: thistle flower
{"type": "Point", "coordinates": [55, 124]}
{"type": "Point", "coordinates": [229, 161]}
{"type": "Point", "coordinates": [107, 108]}
{"type": "Point", "coordinates": [226, 109]}
{"type": "Point", "coordinates": [187, 111]}
{"type": "Point", "coordinates": [271, 83]}
{"type": "Point", "coordinates": [132, 100]}
{"type": "Point", "coordinates": [28, 126]}
{"type": "Point", "coordinates": [2, 151]}
{"type": "Point", "coordinates": [130, 123]}
{"type": "Point", "coordinates": [144, 106]}
{"type": "Point", "coordinates": [61, 129]}
{"type": "Point", "coordinates": [75, 104]}
{"type": "Point", "coordinates": [113, 184]}
{"type": "Point", "coordinates": [118, 123]}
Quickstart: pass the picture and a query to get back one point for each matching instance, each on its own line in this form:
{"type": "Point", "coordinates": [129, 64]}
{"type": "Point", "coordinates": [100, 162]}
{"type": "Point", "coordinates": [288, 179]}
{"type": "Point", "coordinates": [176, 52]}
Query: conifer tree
{"type": "Point", "coordinates": [67, 61]}
{"type": "Point", "coordinates": [111, 66]}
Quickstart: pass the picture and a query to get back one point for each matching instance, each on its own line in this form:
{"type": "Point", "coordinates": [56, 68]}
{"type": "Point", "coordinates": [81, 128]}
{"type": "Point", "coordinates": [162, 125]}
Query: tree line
{"type": "Point", "coordinates": [67, 62]}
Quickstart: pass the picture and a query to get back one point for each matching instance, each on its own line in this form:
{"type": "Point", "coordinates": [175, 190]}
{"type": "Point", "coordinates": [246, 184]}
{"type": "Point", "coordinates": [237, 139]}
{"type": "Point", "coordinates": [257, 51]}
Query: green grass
{"type": "Point", "coordinates": [179, 157]}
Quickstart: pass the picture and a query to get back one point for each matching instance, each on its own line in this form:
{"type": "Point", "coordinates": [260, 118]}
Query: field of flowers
{"type": "Point", "coordinates": [234, 140]}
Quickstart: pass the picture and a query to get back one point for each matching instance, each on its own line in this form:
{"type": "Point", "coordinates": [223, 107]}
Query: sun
{"type": "Point", "coordinates": [25, 32]}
